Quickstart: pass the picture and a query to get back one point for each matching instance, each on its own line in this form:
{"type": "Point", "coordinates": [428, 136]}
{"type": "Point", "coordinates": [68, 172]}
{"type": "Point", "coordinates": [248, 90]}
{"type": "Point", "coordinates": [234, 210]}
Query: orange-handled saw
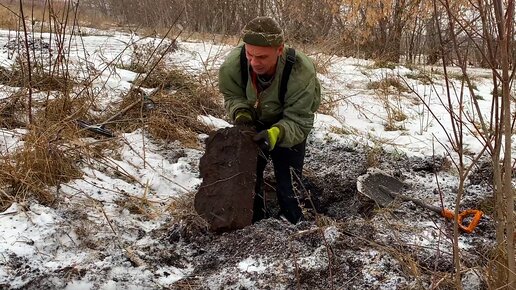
{"type": "Point", "coordinates": [383, 189]}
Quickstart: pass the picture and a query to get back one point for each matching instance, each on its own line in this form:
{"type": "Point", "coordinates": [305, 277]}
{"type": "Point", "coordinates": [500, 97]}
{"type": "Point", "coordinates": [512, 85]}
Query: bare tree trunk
{"type": "Point", "coordinates": [432, 40]}
{"type": "Point", "coordinates": [394, 45]}
{"type": "Point", "coordinates": [499, 55]}
{"type": "Point", "coordinates": [505, 27]}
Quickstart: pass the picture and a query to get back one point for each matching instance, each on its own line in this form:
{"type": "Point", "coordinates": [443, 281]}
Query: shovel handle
{"type": "Point", "coordinates": [474, 213]}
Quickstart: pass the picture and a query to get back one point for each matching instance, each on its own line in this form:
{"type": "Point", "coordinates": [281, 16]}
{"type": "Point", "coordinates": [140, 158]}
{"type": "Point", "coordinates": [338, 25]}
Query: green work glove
{"type": "Point", "coordinates": [267, 139]}
{"type": "Point", "coordinates": [243, 118]}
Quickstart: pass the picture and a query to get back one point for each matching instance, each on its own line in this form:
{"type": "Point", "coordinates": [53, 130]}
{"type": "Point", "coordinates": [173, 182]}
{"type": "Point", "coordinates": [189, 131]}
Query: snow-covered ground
{"type": "Point", "coordinates": [92, 240]}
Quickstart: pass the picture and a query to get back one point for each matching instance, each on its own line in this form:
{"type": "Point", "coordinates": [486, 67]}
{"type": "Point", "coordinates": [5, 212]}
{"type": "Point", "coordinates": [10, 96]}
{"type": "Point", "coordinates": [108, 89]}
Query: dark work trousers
{"type": "Point", "coordinates": [284, 160]}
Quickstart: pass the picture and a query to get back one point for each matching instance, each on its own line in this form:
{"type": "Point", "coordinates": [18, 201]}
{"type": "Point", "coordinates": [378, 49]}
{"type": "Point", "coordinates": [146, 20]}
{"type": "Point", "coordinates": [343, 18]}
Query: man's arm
{"type": "Point", "coordinates": [298, 114]}
{"type": "Point", "coordinates": [230, 85]}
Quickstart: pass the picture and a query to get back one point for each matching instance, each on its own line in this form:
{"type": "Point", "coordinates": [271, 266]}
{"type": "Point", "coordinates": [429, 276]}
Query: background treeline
{"type": "Point", "coordinates": [387, 30]}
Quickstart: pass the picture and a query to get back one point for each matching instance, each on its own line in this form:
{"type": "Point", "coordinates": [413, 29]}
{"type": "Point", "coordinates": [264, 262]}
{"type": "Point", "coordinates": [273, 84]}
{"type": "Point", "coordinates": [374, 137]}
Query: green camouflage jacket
{"type": "Point", "coordinates": [302, 99]}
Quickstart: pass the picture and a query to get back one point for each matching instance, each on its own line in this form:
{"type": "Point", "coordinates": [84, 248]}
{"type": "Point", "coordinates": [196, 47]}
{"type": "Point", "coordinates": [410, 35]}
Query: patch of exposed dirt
{"type": "Point", "coordinates": [350, 244]}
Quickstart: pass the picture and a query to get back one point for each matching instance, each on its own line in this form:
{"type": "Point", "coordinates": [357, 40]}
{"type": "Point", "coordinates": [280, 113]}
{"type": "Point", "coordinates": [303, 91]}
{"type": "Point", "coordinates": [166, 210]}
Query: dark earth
{"type": "Point", "coordinates": [348, 242]}
{"type": "Point", "coordinates": [345, 227]}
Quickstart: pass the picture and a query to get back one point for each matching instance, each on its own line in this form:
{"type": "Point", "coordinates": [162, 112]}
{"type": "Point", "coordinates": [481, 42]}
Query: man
{"type": "Point", "coordinates": [283, 114]}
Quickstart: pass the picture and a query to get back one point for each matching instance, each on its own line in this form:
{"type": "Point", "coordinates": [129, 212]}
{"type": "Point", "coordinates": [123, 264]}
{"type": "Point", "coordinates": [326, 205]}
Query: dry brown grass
{"type": "Point", "coordinates": [176, 107]}
{"type": "Point", "coordinates": [43, 161]}
{"type": "Point", "coordinates": [41, 78]}
{"type": "Point", "coordinates": [13, 111]}
{"type": "Point", "coordinates": [388, 84]}
{"type": "Point", "coordinates": [140, 205]}
{"type": "Point", "coordinates": [330, 102]}
{"type": "Point", "coordinates": [196, 36]}
{"type": "Point", "coordinates": [374, 155]}
{"type": "Point", "coordinates": [9, 13]}
{"type": "Point", "coordinates": [50, 154]}
{"type": "Point", "coordinates": [60, 108]}
{"type": "Point", "coordinates": [52, 147]}
{"type": "Point", "coordinates": [8, 20]}
{"type": "Point", "coordinates": [183, 211]}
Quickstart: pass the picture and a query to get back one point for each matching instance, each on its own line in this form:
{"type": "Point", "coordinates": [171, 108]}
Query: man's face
{"type": "Point", "coordinates": [263, 59]}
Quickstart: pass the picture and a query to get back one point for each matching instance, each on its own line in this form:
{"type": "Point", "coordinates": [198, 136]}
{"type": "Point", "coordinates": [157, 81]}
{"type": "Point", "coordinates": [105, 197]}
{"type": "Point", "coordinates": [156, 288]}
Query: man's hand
{"type": "Point", "coordinates": [244, 118]}
{"type": "Point", "coordinates": [267, 139]}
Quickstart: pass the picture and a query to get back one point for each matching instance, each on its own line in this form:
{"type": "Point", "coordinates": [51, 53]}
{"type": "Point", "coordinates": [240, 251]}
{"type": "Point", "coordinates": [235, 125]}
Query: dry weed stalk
{"type": "Point", "coordinates": [141, 205]}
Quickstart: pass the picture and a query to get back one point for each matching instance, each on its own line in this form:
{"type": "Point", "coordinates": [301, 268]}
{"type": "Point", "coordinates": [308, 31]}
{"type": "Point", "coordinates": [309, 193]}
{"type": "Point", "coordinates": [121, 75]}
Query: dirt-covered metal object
{"type": "Point", "coordinates": [228, 170]}
{"type": "Point", "coordinates": [369, 185]}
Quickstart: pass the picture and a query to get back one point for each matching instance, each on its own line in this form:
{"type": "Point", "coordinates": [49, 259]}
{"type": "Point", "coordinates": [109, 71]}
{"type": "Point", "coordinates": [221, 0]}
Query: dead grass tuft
{"type": "Point", "coordinates": [384, 64]}
{"type": "Point", "coordinates": [422, 76]}
{"type": "Point", "coordinates": [43, 161]}
{"type": "Point", "coordinates": [387, 84]}
{"type": "Point", "coordinates": [12, 111]}
{"type": "Point", "coordinates": [183, 211]}
{"type": "Point", "coordinates": [41, 78]}
{"type": "Point", "coordinates": [140, 206]}
{"type": "Point", "coordinates": [168, 79]}
{"type": "Point", "coordinates": [331, 99]}
{"type": "Point", "coordinates": [176, 107]}
{"type": "Point", "coordinates": [145, 56]}
{"type": "Point", "coordinates": [374, 155]}
{"type": "Point", "coordinates": [322, 62]}
{"type": "Point", "coordinates": [65, 106]}
{"type": "Point", "coordinates": [394, 116]}
{"type": "Point", "coordinates": [5, 199]}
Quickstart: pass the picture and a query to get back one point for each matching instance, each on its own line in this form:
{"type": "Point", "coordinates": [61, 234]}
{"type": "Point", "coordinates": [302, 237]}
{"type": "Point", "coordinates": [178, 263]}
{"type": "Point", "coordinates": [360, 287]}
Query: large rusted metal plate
{"type": "Point", "coordinates": [228, 170]}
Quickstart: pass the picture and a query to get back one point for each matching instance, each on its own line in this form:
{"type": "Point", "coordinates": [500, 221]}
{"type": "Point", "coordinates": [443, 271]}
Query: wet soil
{"type": "Point", "coordinates": [349, 243]}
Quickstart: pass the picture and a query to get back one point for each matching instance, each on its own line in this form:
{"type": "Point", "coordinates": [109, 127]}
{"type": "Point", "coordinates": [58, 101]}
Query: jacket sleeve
{"type": "Point", "coordinates": [230, 84]}
{"type": "Point", "coordinates": [298, 113]}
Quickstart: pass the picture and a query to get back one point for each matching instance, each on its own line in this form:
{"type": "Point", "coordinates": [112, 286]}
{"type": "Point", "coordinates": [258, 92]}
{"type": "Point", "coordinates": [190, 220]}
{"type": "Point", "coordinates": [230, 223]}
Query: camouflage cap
{"type": "Point", "coordinates": [263, 31]}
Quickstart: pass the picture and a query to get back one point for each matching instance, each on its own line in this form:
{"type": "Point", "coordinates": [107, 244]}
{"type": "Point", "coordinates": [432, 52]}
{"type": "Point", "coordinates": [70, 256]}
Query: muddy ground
{"type": "Point", "coordinates": [350, 243]}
